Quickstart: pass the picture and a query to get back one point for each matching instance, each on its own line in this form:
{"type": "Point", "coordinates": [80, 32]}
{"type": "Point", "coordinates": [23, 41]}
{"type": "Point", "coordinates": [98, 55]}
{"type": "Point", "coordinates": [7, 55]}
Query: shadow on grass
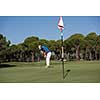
{"type": "Point", "coordinates": [67, 72]}
{"type": "Point", "coordinates": [6, 65]}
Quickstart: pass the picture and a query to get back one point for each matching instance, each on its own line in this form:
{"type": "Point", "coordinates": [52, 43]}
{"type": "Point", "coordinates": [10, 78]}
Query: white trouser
{"type": "Point", "coordinates": [48, 58]}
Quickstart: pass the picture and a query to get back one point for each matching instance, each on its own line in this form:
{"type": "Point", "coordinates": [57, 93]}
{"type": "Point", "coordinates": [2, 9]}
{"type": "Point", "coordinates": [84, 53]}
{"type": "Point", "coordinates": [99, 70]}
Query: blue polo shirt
{"type": "Point", "coordinates": [45, 49]}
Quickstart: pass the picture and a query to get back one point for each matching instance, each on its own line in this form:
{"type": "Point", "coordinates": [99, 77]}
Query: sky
{"type": "Point", "coordinates": [17, 28]}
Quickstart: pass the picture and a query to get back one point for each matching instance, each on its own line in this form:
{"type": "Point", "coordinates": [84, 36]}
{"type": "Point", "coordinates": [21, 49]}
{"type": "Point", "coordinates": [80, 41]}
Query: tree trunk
{"type": "Point", "coordinates": [96, 55]}
{"type": "Point", "coordinates": [90, 55]}
{"type": "Point", "coordinates": [77, 52]}
{"type": "Point", "coordinates": [81, 56]}
{"type": "Point", "coordinates": [86, 54]}
{"type": "Point", "coordinates": [68, 56]}
{"type": "Point", "coordinates": [21, 57]}
{"type": "Point", "coordinates": [99, 56]}
{"type": "Point", "coordinates": [32, 56]}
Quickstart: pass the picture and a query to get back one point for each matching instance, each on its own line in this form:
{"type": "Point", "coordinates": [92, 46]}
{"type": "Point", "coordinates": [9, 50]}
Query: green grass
{"type": "Point", "coordinates": [35, 72]}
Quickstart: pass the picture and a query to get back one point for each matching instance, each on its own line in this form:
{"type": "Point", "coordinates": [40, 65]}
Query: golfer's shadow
{"type": "Point", "coordinates": [6, 65]}
{"type": "Point", "coordinates": [67, 72]}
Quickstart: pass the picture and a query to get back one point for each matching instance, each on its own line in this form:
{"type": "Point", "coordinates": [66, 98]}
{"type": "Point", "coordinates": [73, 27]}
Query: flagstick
{"type": "Point", "coordinates": [61, 27]}
{"type": "Point", "coordinates": [62, 51]}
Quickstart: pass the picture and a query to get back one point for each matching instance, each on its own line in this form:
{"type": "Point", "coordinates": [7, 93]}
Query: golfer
{"type": "Point", "coordinates": [46, 53]}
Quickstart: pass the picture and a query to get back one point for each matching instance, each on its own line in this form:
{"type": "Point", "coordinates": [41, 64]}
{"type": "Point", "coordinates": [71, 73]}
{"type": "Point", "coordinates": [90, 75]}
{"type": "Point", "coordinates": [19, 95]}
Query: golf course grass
{"type": "Point", "coordinates": [35, 72]}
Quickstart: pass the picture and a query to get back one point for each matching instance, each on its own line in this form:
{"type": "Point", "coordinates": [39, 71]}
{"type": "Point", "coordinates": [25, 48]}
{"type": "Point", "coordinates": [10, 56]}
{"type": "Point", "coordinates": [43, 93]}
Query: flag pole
{"type": "Point", "coordinates": [61, 27]}
{"type": "Point", "coordinates": [62, 53]}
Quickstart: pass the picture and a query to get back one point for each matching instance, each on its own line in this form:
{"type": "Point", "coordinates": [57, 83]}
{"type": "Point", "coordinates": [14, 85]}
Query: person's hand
{"type": "Point", "coordinates": [44, 54]}
{"type": "Point", "coordinates": [41, 52]}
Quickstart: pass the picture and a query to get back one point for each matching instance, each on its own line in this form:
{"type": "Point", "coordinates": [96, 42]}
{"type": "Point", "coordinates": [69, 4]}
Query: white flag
{"type": "Point", "coordinates": [60, 24]}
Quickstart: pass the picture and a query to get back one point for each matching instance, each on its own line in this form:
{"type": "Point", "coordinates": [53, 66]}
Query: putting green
{"type": "Point", "coordinates": [35, 72]}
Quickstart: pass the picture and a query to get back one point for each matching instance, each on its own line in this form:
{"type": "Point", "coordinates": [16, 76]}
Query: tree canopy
{"type": "Point", "coordinates": [76, 47]}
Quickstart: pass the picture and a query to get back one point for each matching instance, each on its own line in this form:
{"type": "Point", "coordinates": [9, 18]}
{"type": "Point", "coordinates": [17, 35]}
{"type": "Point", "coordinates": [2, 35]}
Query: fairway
{"type": "Point", "coordinates": [35, 72]}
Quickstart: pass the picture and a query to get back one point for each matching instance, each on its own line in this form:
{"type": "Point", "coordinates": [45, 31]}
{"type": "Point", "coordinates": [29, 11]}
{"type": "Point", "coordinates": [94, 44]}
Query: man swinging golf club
{"type": "Point", "coordinates": [46, 53]}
